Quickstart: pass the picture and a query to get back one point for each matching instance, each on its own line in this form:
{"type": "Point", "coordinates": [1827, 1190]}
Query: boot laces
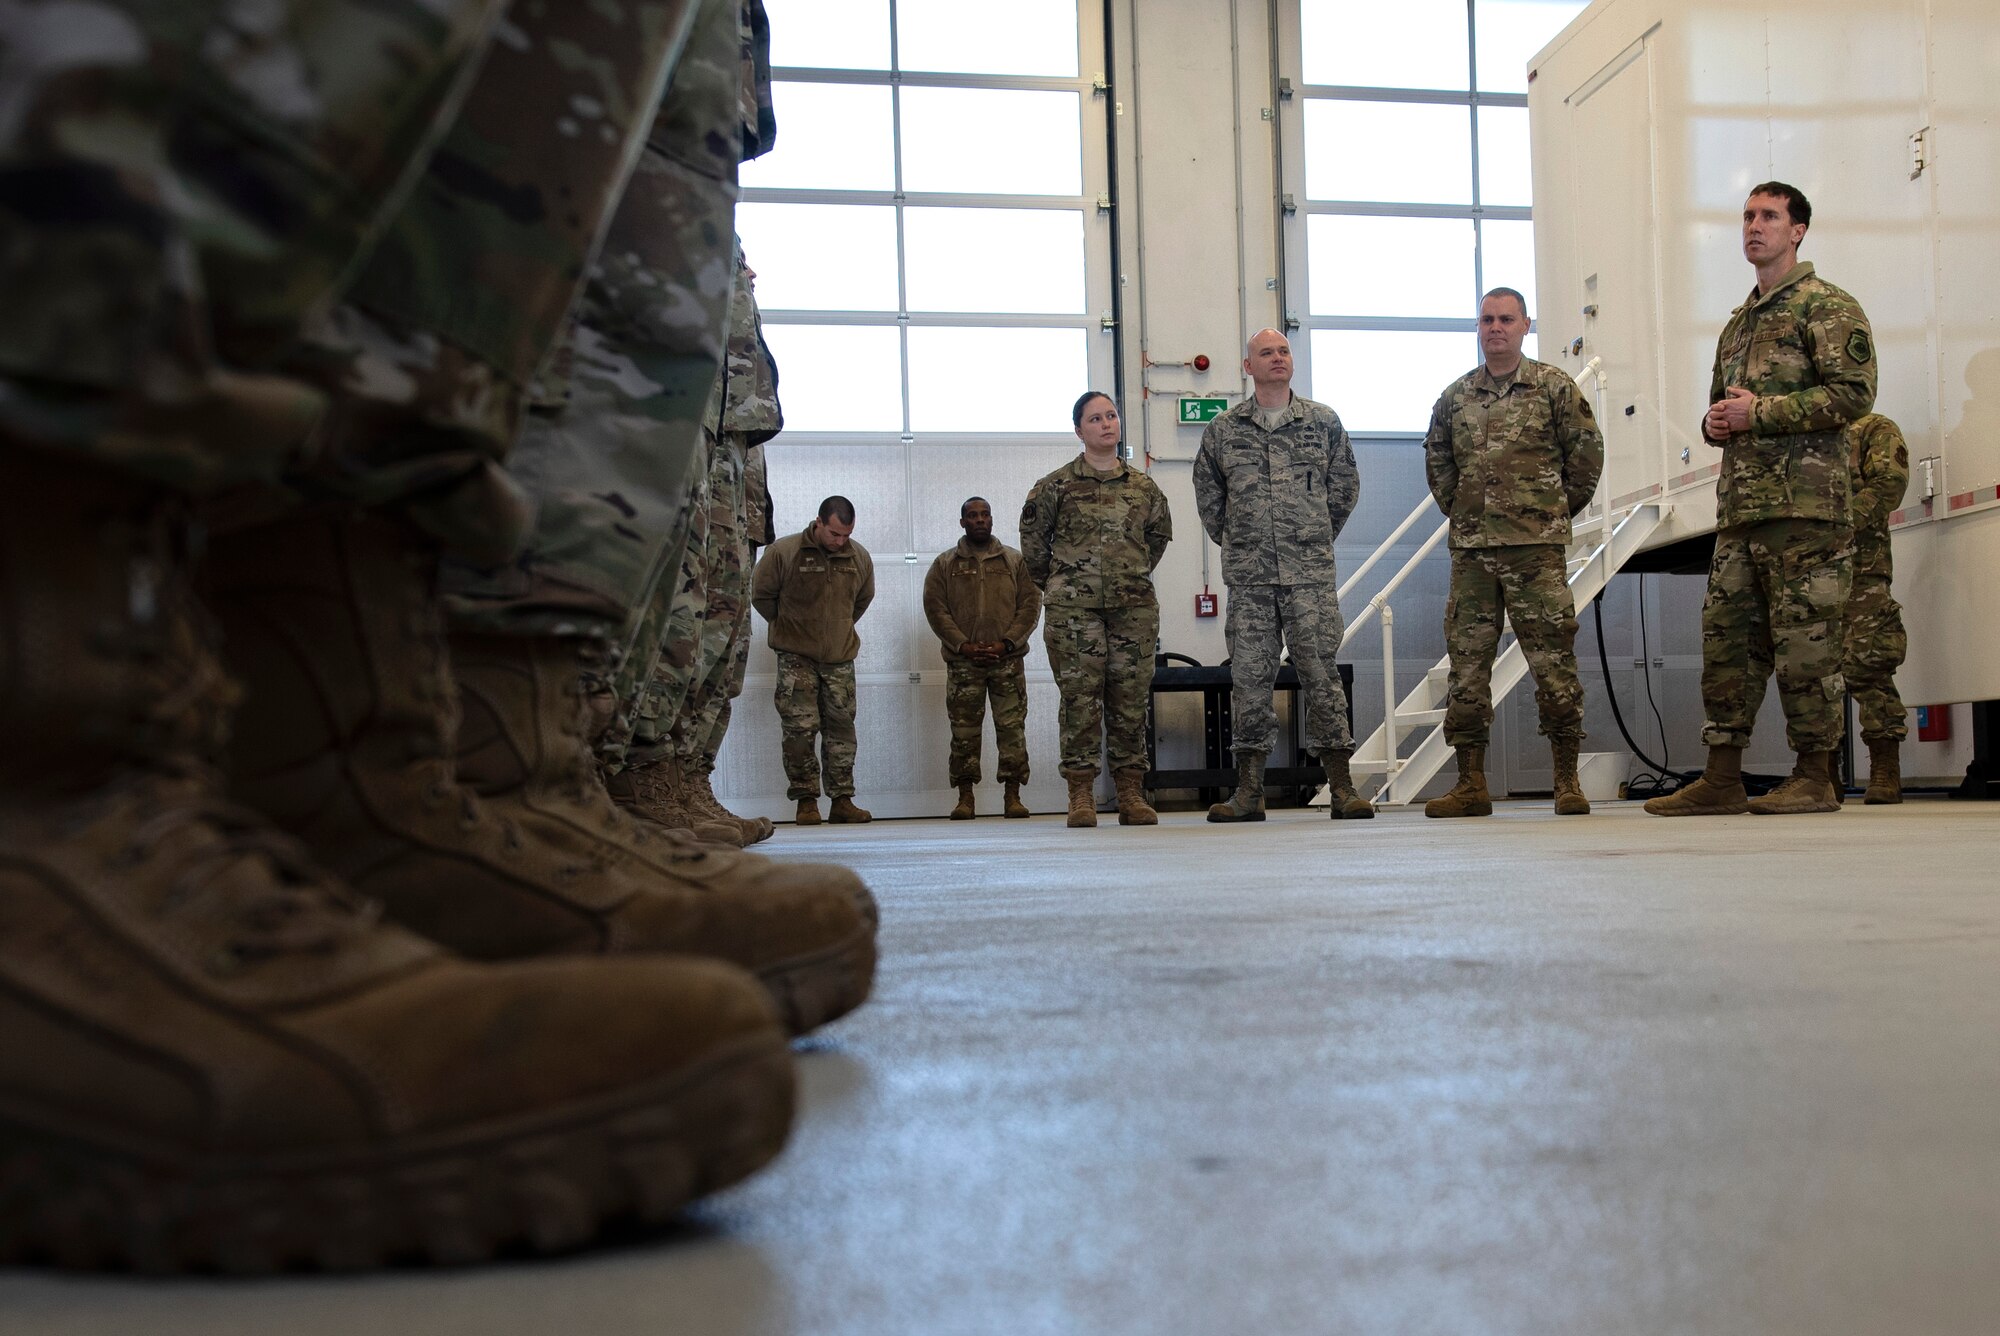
{"type": "Point", "coordinates": [285, 905]}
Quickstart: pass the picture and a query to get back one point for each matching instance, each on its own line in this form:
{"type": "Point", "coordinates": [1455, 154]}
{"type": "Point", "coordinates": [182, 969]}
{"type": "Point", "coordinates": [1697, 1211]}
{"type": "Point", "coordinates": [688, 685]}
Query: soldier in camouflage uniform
{"type": "Point", "coordinates": [1874, 642]}
{"type": "Point", "coordinates": [1091, 534]}
{"type": "Point", "coordinates": [261, 246]}
{"type": "Point", "coordinates": [1275, 481]}
{"type": "Point", "coordinates": [982, 605]}
{"type": "Point", "coordinates": [1795, 365]}
{"type": "Point", "coordinates": [655, 751]}
{"type": "Point", "coordinates": [812, 588]}
{"type": "Point", "coordinates": [1512, 453]}
{"type": "Point", "coordinates": [750, 417]}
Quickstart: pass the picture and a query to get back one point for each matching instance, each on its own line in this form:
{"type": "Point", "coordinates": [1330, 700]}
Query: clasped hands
{"type": "Point", "coordinates": [1728, 416]}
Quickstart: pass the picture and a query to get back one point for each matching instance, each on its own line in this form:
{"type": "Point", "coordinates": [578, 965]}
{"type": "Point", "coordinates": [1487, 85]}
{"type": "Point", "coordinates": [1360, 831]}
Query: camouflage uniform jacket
{"type": "Point", "coordinates": [1091, 539]}
{"type": "Point", "coordinates": [812, 597]}
{"type": "Point", "coordinates": [1274, 501]}
{"type": "Point", "coordinates": [1805, 350]}
{"type": "Point", "coordinates": [1881, 475]}
{"type": "Point", "coordinates": [1510, 463]}
{"type": "Point", "coordinates": [981, 594]}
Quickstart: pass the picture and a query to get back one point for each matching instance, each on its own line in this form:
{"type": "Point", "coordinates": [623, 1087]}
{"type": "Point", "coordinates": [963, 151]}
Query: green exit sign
{"type": "Point", "coordinates": [1202, 410]}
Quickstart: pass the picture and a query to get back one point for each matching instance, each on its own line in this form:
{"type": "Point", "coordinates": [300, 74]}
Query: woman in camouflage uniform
{"type": "Point", "coordinates": [1092, 532]}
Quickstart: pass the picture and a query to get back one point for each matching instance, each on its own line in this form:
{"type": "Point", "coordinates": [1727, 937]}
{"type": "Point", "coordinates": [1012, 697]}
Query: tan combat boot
{"type": "Point", "coordinates": [347, 742]}
{"type": "Point", "coordinates": [808, 812]}
{"type": "Point", "coordinates": [652, 792]}
{"type": "Point", "coordinates": [1468, 797]}
{"type": "Point", "coordinates": [1247, 803]}
{"type": "Point", "coordinates": [1344, 803]}
{"type": "Point", "coordinates": [701, 798]}
{"type": "Point", "coordinates": [1133, 809]}
{"type": "Point", "coordinates": [1569, 789]}
{"type": "Point", "coordinates": [1015, 808]}
{"type": "Point", "coordinates": [1885, 772]}
{"type": "Point", "coordinates": [216, 1057]}
{"type": "Point", "coordinates": [1809, 788]}
{"type": "Point", "coordinates": [1719, 791]}
{"type": "Point", "coordinates": [843, 812]}
{"type": "Point", "coordinates": [964, 811]}
{"type": "Point", "coordinates": [1082, 797]}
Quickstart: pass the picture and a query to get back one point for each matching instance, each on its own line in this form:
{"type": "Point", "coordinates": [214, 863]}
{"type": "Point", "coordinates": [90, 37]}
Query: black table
{"type": "Point", "coordinates": [1218, 776]}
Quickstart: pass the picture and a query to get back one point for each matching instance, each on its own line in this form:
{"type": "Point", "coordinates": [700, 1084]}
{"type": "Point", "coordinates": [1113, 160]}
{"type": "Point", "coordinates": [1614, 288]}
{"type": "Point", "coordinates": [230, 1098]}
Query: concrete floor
{"type": "Point", "coordinates": [1518, 1075]}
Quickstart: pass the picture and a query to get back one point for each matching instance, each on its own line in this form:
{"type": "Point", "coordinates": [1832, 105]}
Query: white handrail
{"type": "Point", "coordinates": [1347, 585]}
{"type": "Point", "coordinates": [1403, 573]}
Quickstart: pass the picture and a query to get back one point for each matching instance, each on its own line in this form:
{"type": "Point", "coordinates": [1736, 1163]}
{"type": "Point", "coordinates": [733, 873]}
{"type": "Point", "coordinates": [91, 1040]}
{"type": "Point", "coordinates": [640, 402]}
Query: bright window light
{"type": "Point", "coordinates": [1034, 37]}
{"type": "Point", "coordinates": [1382, 382]}
{"type": "Point", "coordinates": [1409, 44]}
{"type": "Point", "coordinates": [1005, 260]}
{"type": "Point", "coordinates": [1511, 32]}
{"type": "Point", "coordinates": [1390, 266]}
{"type": "Point", "coordinates": [996, 380]}
{"type": "Point", "coordinates": [990, 141]}
{"type": "Point", "coordinates": [1504, 173]}
{"type": "Point", "coordinates": [821, 257]}
{"type": "Point", "coordinates": [1393, 152]}
{"type": "Point", "coordinates": [838, 377]}
{"type": "Point", "coordinates": [830, 34]}
{"type": "Point", "coordinates": [830, 137]}
{"type": "Point", "coordinates": [1508, 258]}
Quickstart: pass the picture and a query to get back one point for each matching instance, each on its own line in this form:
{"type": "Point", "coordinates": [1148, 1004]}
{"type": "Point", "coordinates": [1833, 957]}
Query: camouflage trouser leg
{"type": "Point", "coordinates": [611, 469]}
{"type": "Point", "coordinates": [1528, 584]}
{"type": "Point", "coordinates": [967, 687]}
{"type": "Point", "coordinates": [739, 665]}
{"type": "Point", "coordinates": [1874, 650]}
{"type": "Point", "coordinates": [726, 580]}
{"type": "Point", "coordinates": [816, 698]}
{"type": "Point", "coordinates": [1103, 664]}
{"type": "Point", "coordinates": [1776, 594]}
{"type": "Point", "coordinates": [179, 186]}
{"type": "Point", "coordinates": [652, 683]}
{"type": "Point", "coordinates": [1264, 618]}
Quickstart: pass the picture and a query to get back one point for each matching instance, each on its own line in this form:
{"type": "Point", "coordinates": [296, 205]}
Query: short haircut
{"type": "Point", "coordinates": [1796, 203]}
{"type": "Point", "coordinates": [837, 508]}
{"type": "Point", "coordinates": [966, 504]}
{"type": "Point", "coordinates": [1076, 413]}
{"type": "Point", "coordinates": [1519, 300]}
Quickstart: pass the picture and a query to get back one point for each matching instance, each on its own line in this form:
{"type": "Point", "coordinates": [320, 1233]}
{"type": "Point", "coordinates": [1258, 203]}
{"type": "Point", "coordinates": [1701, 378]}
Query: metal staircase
{"type": "Point", "coordinates": [1594, 558]}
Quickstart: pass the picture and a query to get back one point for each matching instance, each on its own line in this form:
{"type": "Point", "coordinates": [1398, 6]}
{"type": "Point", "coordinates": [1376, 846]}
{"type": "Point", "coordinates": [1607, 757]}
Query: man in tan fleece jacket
{"type": "Point", "coordinates": [812, 588]}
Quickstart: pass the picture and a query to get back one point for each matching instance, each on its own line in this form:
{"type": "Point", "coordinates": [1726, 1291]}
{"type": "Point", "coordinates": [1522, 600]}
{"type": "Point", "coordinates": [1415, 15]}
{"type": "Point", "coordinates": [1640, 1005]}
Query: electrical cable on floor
{"type": "Point", "coordinates": [1662, 780]}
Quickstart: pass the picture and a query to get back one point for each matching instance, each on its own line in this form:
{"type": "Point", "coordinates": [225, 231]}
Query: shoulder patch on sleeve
{"type": "Point", "coordinates": [1860, 348]}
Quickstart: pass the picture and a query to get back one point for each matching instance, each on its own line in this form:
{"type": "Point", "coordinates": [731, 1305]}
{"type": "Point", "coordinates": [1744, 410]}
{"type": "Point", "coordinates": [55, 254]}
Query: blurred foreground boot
{"type": "Point", "coordinates": [964, 811]}
{"type": "Point", "coordinates": [1343, 802]}
{"type": "Point", "coordinates": [1719, 791]}
{"type": "Point", "coordinates": [1247, 803]}
{"type": "Point", "coordinates": [1468, 797]}
{"type": "Point", "coordinates": [1014, 807]}
{"type": "Point", "coordinates": [1082, 797]}
{"type": "Point", "coordinates": [1809, 788]}
{"type": "Point", "coordinates": [1885, 772]}
{"type": "Point", "coordinates": [843, 812]}
{"type": "Point", "coordinates": [347, 739]}
{"type": "Point", "coordinates": [1569, 789]}
{"type": "Point", "coordinates": [652, 790]}
{"type": "Point", "coordinates": [216, 1057]}
{"type": "Point", "coordinates": [701, 798]}
{"type": "Point", "coordinates": [1133, 809]}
